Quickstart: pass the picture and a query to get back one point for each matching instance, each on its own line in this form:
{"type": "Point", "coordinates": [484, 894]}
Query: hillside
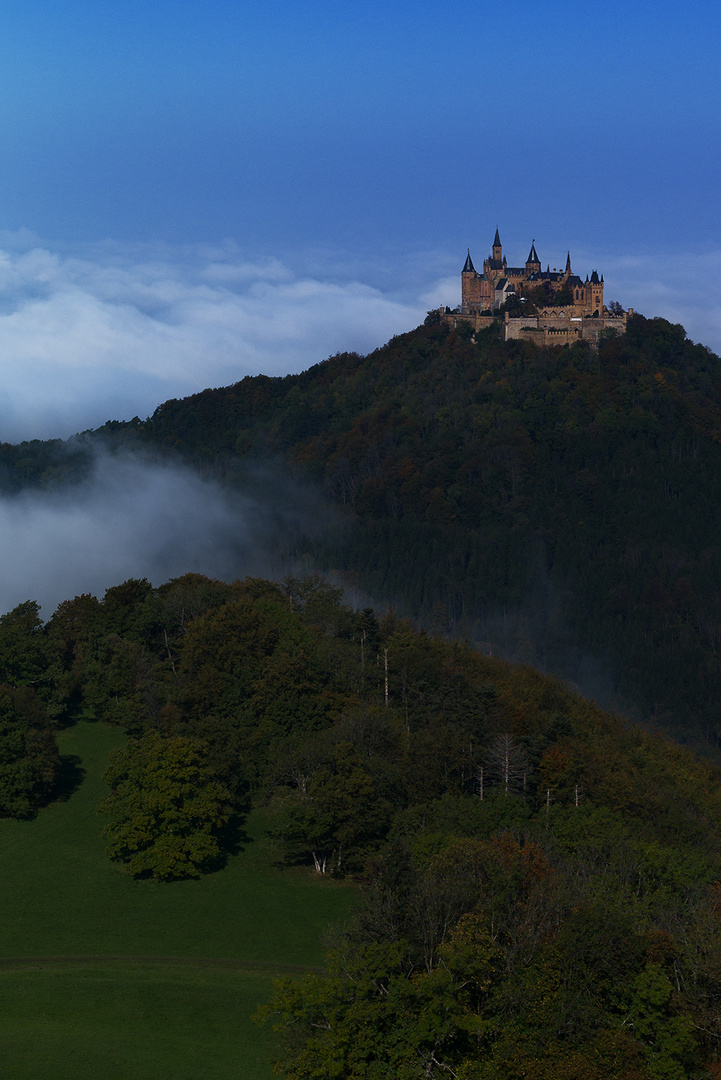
{"type": "Point", "coordinates": [540, 879]}
{"type": "Point", "coordinates": [559, 506]}
{"type": "Point", "coordinates": [104, 975]}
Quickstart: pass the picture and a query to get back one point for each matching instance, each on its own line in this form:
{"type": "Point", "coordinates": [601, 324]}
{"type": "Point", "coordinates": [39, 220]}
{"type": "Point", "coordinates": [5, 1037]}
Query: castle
{"type": "Point", "coordinates": [561, 306]}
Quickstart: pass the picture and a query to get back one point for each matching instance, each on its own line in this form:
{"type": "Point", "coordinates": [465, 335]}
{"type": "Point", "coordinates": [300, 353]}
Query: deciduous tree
{"type": "Point", "coordinates": [165, 808]}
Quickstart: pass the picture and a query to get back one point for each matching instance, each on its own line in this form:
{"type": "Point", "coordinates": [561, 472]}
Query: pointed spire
{"type": "Point", "coordinates": [469, 268]}
{"type": "Point", "coordinates": [568, 264]}
{"type": "Point", "coordinates": [497, 239]}
{"type": "Point", "coordinates": [533, 255]}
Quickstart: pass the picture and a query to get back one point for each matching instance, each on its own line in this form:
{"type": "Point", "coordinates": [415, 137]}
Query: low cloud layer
{"type": "Point", "coordinates": [654, 285]}
{"type": "Point", "coordinates": [112, 335]}
{"type": "Point", "coordinates": [114, 331]}
{"type": "Point", "coordinates": [135, 518]}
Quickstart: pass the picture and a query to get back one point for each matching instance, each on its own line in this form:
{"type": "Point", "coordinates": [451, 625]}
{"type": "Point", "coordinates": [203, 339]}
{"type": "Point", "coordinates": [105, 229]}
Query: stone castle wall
{"type": "Point", "coordinates": [554, 326]}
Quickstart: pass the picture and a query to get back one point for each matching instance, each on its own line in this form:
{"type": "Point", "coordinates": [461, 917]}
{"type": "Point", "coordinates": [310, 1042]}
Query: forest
{"type": "Point", "coordinates": [556, 506]}
{"type": "Point", "coordinates": [536, 873]}
{"type": "Point", "coordinates": [539, 879]}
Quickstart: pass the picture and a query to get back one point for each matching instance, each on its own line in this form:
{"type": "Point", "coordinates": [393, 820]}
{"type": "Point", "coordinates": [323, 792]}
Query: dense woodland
{"type": "Point", "coordinates": [540, 880]}
{"type": "Point", "coordinates": [559, 506]}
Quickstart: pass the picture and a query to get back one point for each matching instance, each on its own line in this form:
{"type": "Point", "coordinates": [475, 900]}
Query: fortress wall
{"type": "Point", "coordinates": [546, 329]}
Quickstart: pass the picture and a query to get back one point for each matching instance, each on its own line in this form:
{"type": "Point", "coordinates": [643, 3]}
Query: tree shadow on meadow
{"type": "Point", "coordinates": [69, 777]}
{"type": "Point", "coordinates": [232, 840]}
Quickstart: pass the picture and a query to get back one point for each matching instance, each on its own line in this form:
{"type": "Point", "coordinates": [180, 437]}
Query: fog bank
{"type": "Point", "coordinates": [137, 518]}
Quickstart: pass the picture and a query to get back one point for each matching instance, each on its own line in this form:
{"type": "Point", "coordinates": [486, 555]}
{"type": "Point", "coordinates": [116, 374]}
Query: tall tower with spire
{"type": "Point", "coordinates": [475, 289]}
{"type": "Point", "coordinates": [533, 263]}
{"type": "Point", "coordinates": [468, 285]}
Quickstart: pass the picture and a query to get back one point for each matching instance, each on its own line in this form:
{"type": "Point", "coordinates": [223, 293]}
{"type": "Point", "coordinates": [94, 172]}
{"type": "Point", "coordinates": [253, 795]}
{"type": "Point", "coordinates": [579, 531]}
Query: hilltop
{"type": "Point", "coordinates": [557, 505]}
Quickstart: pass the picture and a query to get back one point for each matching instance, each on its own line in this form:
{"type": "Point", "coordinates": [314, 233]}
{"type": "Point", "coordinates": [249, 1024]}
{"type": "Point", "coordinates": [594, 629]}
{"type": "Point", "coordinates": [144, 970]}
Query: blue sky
{"type": "Point", "coordinates": [191, 192]}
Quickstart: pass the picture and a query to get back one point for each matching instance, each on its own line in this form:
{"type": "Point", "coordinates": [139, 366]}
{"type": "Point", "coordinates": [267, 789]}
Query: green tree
{"type": "Point", "coordinates": [29, 759]}
{"type": "Point", "coordinates": [23, 655]}
{"type": "Point", "coordinates": [165, 808]}
{"type": "Point", "coordinates": [336, 814]}
{"type": "Point", "coordinates": [667, 1035]}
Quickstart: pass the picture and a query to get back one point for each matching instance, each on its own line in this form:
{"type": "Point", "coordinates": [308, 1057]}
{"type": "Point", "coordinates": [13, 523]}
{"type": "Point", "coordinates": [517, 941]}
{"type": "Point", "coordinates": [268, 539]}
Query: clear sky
{"type": "Point", "coordinates": [191, 191]}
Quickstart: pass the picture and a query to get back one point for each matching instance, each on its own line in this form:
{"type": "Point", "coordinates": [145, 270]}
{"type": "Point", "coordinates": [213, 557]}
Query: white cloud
{"type": "Point", "coordinates": [680, 290]}
{"type": "Point", "coordinates": [113, 331]}
{"type": "Point", "coordinates": [443, 293]}
{"type": "Point", "coordinates": [110, 335]}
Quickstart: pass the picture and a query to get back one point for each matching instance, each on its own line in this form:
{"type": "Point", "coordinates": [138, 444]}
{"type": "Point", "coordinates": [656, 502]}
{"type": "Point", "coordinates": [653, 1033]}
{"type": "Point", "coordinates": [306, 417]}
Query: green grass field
{"type": "Point", "coordinates": [104, 976]}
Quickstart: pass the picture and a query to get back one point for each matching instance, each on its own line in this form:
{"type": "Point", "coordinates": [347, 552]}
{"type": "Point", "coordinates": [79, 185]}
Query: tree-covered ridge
{"type": "Point", "coordinates": [541, 878]}
{"type": "Point", "coordinates": [574, 493]}
{"type": "Point", "coordinates": [559, 505]}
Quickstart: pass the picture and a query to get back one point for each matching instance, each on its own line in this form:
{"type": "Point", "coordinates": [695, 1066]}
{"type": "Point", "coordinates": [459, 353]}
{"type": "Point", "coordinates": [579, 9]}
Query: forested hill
{"type": "Point", "coordinates": [541, 892]}
{"type": "Point", "coordinates": [560, 505]}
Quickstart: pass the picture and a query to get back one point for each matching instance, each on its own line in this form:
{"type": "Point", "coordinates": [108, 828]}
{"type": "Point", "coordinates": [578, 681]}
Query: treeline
{"type": "Point", "coordinates": [541, 880]}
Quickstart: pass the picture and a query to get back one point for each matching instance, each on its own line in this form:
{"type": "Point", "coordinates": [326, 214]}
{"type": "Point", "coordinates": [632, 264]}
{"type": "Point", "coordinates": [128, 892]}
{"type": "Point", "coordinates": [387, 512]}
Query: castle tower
{"type": "Point", "coordinates": [594, 294]}
{"type": "Point", "coordinates": [497, 248]}
{"type": "Point", "coordinates": [533, 263]}
{"type": "Point", "coordinates": [468, 284]}
{"type": "Point", "coordinates": [568, 266]}
{"type": "Point", "coordinates": [475, 289]}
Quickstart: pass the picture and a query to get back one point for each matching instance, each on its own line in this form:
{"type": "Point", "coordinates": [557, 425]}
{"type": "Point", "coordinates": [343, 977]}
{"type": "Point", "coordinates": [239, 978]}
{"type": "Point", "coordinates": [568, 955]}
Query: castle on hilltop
{"type": "Point", "coordinates": [548, 306]}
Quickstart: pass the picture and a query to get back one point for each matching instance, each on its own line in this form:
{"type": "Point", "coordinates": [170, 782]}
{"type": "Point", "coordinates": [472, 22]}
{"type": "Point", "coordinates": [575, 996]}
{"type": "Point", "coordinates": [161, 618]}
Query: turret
{"type": "Point", "coordinates": [474, 289]}
{"type": "Point", "coordinates": [533, 263]}
{"type": "Point", "coordinates": [497, 248]}
{"type": "Point", "coordinates": [568, 265]}
{"type": "Point", "coordinates": [594, 294]}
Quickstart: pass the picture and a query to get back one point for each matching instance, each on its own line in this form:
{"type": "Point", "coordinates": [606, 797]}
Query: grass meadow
{"type": "Point", "coordinates": [104, 976]}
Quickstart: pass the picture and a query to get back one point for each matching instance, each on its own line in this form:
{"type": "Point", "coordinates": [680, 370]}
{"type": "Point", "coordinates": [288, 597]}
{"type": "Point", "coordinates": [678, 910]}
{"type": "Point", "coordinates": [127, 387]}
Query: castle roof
{"type": "Point", "coordinates": [496, 239]}
{"type": "Point", "coordinates": [494, 264]}
{"type": "Point", "coordinates": [469, 267]}
{"type": "Point", "coordinates": [595, 278]}
{"type": "Point", "coordinates": [532, 255]}
{"type": "Point", "coordinates": [545, 275]}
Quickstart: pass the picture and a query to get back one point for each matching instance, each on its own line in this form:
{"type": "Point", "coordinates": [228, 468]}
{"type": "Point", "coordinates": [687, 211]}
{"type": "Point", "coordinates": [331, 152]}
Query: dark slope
{"type": "Point", "coordinates": [559, 504]}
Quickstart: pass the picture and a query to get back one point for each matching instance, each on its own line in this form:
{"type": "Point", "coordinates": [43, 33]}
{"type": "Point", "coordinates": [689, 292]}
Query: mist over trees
{"type": "Point", "coordinates": [558, 506]}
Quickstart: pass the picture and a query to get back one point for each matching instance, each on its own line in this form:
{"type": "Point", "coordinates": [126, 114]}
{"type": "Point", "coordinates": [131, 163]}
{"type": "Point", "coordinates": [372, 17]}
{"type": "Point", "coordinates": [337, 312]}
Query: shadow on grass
{"type": "Point", "coordinates": [233, 838]}
{"type": "Point", "coordinates": [69, 778]}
